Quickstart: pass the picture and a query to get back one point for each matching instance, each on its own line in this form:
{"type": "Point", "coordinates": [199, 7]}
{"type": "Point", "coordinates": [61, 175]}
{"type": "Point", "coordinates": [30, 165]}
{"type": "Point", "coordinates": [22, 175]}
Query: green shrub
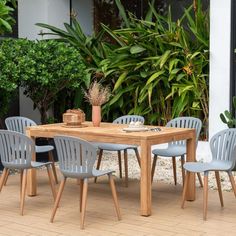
{"type": "Point", "coordinates": [9, 74]}
{"type": "Point", "coordinates": [42, 68]}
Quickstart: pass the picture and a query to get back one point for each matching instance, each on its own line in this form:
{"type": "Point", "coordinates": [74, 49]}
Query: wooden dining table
{"type": "Point", "coordinates": [114, 133]}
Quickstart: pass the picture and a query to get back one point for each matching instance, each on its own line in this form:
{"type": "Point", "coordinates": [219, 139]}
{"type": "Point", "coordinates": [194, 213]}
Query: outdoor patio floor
{"type": "Point", "coordinates": [167, 216]}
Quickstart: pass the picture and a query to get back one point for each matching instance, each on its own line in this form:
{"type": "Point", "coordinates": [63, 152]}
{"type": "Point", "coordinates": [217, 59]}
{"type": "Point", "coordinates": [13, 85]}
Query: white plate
{"type": "Point", "coordinates": [137, 129]}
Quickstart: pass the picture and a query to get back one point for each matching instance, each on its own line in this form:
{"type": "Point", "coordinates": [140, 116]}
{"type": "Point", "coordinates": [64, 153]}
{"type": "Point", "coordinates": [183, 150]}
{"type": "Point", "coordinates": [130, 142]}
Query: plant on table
{"type": "Point", "coordinates": [97, 95]}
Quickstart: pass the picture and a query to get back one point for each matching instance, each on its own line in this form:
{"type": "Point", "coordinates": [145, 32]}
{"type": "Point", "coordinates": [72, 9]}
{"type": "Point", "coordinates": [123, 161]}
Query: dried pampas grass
{"type": "Point", "coordinates": [97, 94]}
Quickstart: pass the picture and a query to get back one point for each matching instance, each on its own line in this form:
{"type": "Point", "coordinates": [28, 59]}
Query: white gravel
{"type": "Point", "coordinates": [163, 173]}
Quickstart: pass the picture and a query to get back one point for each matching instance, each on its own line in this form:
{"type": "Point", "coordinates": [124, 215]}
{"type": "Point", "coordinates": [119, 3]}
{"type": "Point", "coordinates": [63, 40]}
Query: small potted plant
{"type": "Point", "coordinates": [97, 95]}
{"type": "Point", "coordinates": [229, 118]}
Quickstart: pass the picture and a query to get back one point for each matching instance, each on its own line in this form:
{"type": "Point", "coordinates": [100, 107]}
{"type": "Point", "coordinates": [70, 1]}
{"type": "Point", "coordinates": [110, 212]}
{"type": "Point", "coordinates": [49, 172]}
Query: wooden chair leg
{"type": "Point", "coordinates": [232, 182]}
{"type": "Point", "coordinates": [3, 176]}
{"type": "Point", "coordinates": [200, 179]}
{"type": "Point", "coordinates": [126, 168]}
{"type": "Point", "coordinates": [185, 188]}
{"type": "Point", "coordinates": [84, 201]}
{"type": "Point", "coordinates": [81, 193]}
{"type": "Point", "coordinates": [182, 167]}
{"type": "Point", "coordinates": [154, 166]}
{"type": "Point", "coordinates": [21, 178]}
{"type": "Point", "coordinates": [51, 158]}
{"type": "Point", "coordinates": [51, 182]}
{"type": "Point", "coordinates": [205, 195]}
{"type": "Point", "coordinates": [58, 198]}
{"type": "Point", "coordinates": [174, 169]}
{"type": "Point", "coordinates": [114, 195]}
{"type": "Point", "coordinates": [217, 174]}
{"type": "Point", "coordinates": [120, 165]}
{"type": "Point", "coordinates": [6, 177]}
{"type": "Point", "coordinates": [23, 192]}
{"type": "Point", "coordinates": [137, 156]}
{"type": "Point", "coordinates": [98, 163]}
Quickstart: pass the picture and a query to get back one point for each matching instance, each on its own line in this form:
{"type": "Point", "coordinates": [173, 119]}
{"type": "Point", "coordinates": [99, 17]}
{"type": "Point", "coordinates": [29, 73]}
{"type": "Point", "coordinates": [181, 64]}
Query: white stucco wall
{"type": "Point", "coordinates": [84, 11]}
{"type": "Point", "coordinates": [30, 12]}
{"type": "Point", "coordinates": [220, 28]}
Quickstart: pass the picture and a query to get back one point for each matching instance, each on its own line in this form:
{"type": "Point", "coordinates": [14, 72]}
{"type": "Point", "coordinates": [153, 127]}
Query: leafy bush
{"type": "Point", "coordinates": [42, 68]}
{"type": "Point", "coordinates": [9, 75]}
{"type": "Point", "coordinates": [157, 67]}
{"type": "Point", "coordinates": [161, 66]}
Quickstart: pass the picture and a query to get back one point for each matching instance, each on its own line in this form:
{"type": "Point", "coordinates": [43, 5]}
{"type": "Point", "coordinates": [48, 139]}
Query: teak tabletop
{"type": "Point", "coordinates": [113, 133]}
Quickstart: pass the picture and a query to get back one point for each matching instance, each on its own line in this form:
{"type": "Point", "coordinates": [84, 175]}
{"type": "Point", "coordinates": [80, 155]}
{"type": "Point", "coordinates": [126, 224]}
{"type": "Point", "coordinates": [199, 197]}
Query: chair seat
{"type": "Point", "coordinates": [114, 147]}
{"type": "Point", "coordinates": [35, 164]}
{"type": "Point", "coordinates": [79, 175]}
{"type": "Point", "coordinates": [20, 164]}
{"type": "Point", "coordinates": [211, 166]}
{"type": "Point", "coordinates": [44, 148]}
{"type": "Point", "coordinates": [170, 151]}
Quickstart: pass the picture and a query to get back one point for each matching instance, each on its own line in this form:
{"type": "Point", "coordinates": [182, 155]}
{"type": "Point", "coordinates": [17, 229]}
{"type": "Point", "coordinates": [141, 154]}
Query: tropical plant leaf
{"type": "Point", "coordinates": [120, 80]}
{"type": "Point", "coordinates": [137, 49]}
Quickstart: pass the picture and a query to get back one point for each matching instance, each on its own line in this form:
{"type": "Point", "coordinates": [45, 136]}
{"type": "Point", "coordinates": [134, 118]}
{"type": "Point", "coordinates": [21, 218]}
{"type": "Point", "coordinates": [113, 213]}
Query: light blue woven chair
{"type": "Point", "coordinates": [76, 160]}
{"type": "Point", "coordinates": [16, 151]}
{"type": "Point", "coordinates": [120, 147]}
{"type": "Point", "coordinates": [223, 149]}
{"type": "Point", "coordinates": [178, 148]}
{"type": "Point", "coordinates": [19, 124]}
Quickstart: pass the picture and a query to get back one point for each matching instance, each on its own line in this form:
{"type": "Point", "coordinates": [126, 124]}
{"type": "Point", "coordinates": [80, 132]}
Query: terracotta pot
{"type": "Point", "coordinates": [96, 115]}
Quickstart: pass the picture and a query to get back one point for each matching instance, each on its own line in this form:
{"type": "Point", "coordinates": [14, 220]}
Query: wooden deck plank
{"type": "Point", "coordinates": [167, 218]}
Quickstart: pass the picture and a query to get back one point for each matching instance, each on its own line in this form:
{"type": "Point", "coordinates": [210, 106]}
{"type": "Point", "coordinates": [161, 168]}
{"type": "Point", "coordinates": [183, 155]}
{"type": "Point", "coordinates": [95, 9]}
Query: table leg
{"type": "Point", "coordinates": [145, 182]}
{"type": "Point", "coordinates": [31, 178]}
{"type": "Point", "coordinates": [191, 156]}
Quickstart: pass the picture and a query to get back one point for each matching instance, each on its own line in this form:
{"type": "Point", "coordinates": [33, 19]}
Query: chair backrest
{"type": "Point", "coordinates": [15, 149]}
{"type": "Point", "coordinates": [127, 119]}
{"type": "Point", "coordinates": [76, 157]}
{"type": "Point", "coordinates": [18, 123]}
{"type": "Point", "coordinates": [222, 146]}
{"type": "Point", "coordinates": [185, 122]}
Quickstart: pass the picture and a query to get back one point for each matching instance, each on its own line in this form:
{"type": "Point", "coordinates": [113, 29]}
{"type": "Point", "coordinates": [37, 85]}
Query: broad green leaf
{"type": "Point", "coordinates": [154, 76]}
{"type": "Point", "coordinates": [173, 63]}
{"type": "Point", "coordinates": [120, 80]}
{"type": "Point", "coordinates": [180, 76]}
{"type": "Point", "coordinates": [175, 71]}
{"type": "Point", "coordinates": [136, 49]}
{"type": "Point", "coordinates": [164, 58]}
{"type": "Point", "coordinates": [194, 55]}
{"type": "Point", "coordinates": [122, 13]}
{"type": "Point", "coordinates": [6, 24]}
{"type": "Point", "coordinates": [149, 14]}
